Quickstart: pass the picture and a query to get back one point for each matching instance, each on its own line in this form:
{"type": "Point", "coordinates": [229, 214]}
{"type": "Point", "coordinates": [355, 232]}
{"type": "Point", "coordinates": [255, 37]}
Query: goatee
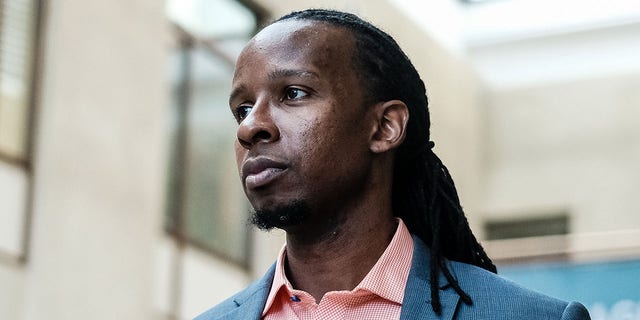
{"type": "Point", "coordinates": [287, 215]}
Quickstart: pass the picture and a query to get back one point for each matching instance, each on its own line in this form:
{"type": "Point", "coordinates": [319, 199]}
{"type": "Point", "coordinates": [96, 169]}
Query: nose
{"type": "Point", "coordinates": [258, 127]}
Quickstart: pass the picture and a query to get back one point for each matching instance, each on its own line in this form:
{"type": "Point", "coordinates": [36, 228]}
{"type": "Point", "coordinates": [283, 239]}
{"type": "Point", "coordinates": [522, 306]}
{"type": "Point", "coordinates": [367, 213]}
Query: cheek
{"type": "Point", "coordinates": [328, 147]}
{"type": "Point", "coordinates": [299, 134]}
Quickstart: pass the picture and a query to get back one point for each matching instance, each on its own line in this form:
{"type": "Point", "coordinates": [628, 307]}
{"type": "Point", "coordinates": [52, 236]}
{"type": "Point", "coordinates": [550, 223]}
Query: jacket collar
{"type": "Point", "coordinates": [417, 295]}
{"type": "Point", "coordinates": [251, 301]}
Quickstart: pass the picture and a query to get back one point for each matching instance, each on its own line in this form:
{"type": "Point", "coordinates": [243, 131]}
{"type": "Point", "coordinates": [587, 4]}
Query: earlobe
{"type": "Point", "coordinates": [390, 126]}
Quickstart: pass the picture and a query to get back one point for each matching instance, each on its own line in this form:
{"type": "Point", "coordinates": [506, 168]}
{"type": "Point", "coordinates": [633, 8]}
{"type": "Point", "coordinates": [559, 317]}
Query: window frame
{"type": "Point", "coordinates": [176, 212]}
{"type": "Point", "coordinates": [25, 163]}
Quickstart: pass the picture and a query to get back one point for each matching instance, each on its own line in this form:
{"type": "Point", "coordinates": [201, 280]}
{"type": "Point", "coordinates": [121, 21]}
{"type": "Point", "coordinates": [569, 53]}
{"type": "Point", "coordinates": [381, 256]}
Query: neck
{"type": "Point", "coordinates": [342, 256]}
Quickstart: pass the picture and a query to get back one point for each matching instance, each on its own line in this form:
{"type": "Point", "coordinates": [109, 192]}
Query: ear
{"type": "Point", "coordinates": [390, 127]}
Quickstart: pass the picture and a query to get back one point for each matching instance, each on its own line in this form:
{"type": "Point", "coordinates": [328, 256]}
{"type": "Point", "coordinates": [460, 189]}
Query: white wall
{"type": "Point", "coordinates": [572, 146]}
{"type": "Point", "coordinates": [99, 165]}
{"type": "Point", "coordinates": [12, 281]}
{"type": "Point", "coordinates": [562, 112]}
{"type": "Point", "coordinates": [561, 105]}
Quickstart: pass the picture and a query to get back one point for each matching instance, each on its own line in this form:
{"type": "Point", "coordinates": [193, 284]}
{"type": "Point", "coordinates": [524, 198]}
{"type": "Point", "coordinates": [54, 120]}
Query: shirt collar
{"type": "Point", "coordinates": [280, 281]}
{"type": "Point", "coordinates": [387, 278]}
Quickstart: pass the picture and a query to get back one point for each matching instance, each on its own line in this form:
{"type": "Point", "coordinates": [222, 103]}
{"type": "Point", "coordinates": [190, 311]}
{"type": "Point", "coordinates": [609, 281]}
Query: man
{"type": "Point", "coordinates": [333, 147]}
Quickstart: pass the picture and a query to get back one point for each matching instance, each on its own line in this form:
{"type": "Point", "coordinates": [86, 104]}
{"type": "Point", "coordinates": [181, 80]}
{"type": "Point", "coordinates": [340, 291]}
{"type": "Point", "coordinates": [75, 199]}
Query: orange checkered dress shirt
{"type": "Point", "coordinates": [378, 296]}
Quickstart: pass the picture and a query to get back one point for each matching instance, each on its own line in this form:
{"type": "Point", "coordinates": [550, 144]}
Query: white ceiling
{"type": "Point", "coordinates": [515, 43]}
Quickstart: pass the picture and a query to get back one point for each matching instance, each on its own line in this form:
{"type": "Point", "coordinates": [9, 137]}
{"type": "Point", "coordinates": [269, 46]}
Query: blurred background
{"type": "Point", "coordinates": [119, 196]}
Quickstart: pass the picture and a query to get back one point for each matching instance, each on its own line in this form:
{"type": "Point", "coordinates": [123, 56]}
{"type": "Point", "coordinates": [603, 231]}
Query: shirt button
{"type": "Point", "coordinates": [295, 299]}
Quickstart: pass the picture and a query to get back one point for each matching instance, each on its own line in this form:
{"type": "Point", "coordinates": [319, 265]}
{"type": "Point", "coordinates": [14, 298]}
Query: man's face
{"type": "Point", "coordinates": [303, 127]}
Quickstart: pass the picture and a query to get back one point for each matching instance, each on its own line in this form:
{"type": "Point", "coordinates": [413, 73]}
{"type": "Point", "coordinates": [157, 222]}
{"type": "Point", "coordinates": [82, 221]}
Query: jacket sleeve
{"type": "Point", "coordinates": [575, 311]}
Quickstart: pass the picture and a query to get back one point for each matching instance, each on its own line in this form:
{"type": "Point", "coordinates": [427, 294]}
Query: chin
{"type": "Point", "coordinates": [281, 216]}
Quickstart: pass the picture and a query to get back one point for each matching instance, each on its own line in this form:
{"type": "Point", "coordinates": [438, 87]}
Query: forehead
{"type": "Point", "coordinates": [317, 45]}
{"type": "Point", "coordinates": [308, 32]}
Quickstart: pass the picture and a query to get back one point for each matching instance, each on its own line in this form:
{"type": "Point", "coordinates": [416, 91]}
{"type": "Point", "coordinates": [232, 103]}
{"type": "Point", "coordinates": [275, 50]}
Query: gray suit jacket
{"type": "Point", "coordinates": [493, 297]}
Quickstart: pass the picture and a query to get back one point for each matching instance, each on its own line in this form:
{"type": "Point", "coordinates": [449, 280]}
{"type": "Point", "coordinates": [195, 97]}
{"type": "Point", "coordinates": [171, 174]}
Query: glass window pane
{"type": "Point", "coordinates": [215, 207]}
{"type": "Point", "coordinates": [206, 202]}
{"type": "Point", "coordinates": [16, 45]}
{"type": "Point", "coordinates": [212, 18]}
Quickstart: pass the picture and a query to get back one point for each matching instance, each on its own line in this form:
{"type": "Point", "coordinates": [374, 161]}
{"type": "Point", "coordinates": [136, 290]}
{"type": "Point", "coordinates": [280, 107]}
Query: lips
{"type": "Point", "coordinates": [259, 172]}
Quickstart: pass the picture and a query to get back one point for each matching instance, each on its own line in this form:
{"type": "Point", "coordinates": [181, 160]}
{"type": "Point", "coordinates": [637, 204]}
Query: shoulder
{"type": "Point", "coordinates": [222, 308]}
{"type": "Point", "coordinates": [250, 300]}
{"type": "Point", "coordinates": [492, 295]}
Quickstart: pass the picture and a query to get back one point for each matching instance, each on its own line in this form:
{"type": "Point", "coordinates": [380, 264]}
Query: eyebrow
{"type": "Point", "coordinates": [286, 73]}
{"type": "Point", "coordinates": [236, 92]}
{"type": "Point", "coordinates": [275, 75]}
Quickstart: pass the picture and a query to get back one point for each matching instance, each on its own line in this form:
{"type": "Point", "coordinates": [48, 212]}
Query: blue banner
{"type": "Point", "coordinates": [610, 290]}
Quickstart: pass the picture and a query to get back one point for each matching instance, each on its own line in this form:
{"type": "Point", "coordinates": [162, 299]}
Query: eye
{"type": "Point", "coordinates": [242, 112]}
{"type": "Point", "coordinates": [294, 94]}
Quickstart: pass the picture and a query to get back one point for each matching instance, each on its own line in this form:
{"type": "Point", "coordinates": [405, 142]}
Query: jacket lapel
{"type": "Point", "coordinates": [417, 296]}
{"type": "Point", "coordinates": [251, 302]}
